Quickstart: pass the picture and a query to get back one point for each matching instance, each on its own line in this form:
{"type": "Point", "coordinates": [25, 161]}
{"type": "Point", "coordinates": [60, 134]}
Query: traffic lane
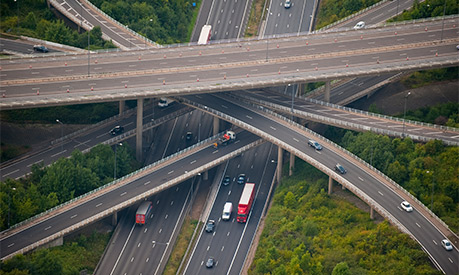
{"type": "Point", "coordinates": [148, 242]}
{"type": "Point", "coordinates": [347, 41]}
{"type": "Point", "coordinates": [18, 46]}
{"type": "Point", "coordinates": [380, 14]}
{"type": "Point", "coordinates": [324, 66]}
{"type": "Point", "coordinates": [245, 243]}
{"type": "Point", "coordinates": [356, 118]}
{"type": "Point", "coordinates": [326, 157]}
{"type": "Point", "coordinates": [226, 18]}
{"type": "Point", "coordinates": [202, 19]}
{"type": "Point", "coordinates": [341, 92]}
{"type": "Point", "coordinates": [223, 244]}
{"type": "Point", "coordinates": [117, 196]}
{"type": "Point", "coordinates": [285, 20]}
{"type": "Point", "coordinates": [86, 140]}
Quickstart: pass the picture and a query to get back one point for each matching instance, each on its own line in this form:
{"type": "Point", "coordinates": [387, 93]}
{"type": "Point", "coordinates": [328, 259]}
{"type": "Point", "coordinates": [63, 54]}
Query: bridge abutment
{"type": "Point", "coordinates": [138, 139]}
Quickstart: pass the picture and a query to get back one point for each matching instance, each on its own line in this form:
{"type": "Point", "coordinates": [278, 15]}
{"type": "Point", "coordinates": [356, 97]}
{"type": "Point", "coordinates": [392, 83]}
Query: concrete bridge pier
{"type": "Point", "coordinates": [330, 185]}
{"type": "Point", "coordinates": [292, 164]}
{"type": "Point", "coordinates": [205, 176]}
{"type": "Point", "coordinates": [115, 218]}
{"type": "Point", "coordinates": [122, 106]}
{"type": "Point", "coordinates": [216, 127]}
{"type": "Point", "coordinates": [372, 213]}
{"type": "Point", "coordinates": [327, 91]}
{"type": "Point", "coordinates": [138, 138]}
{"type": "Point", "coordinates": [280, 152]}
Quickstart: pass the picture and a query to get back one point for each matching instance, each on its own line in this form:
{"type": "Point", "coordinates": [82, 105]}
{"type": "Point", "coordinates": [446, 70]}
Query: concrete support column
{"type": "Point", "coordinates": [301, 89]}
{"type": "Point", "coordinates": [115, 218]}
{"type": "Point", "coordinates": [372, 213]}
{"type": "Point", "coordinates": [280, 152]}
{"type": "Point", "coordinates": [122, 106]}
{"type": "Point", "coordinates": [138, 139]}
{"type": "Point", "coordinates": [206, 175]}
{"type": "Point", "coordinates": [292, 164]}
{"type": "Point", "coordinates": [327, 91]}
{"type": "Point", "coordinates": [330, 185]}
{"type": "Point", "coordinates": [216, 125]}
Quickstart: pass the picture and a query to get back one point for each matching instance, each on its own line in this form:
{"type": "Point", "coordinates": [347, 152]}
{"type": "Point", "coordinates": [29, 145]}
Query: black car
{"type": "Point", "coordinates": [210, 226]}
{"type": "Point", "coordinates": [226, 180]}
{"type": "Point", "coordinates": [117, 130]}
{"type": "Point", "coordinates": [339, 168]}
{"type": "Point", "coordinates": [241, 179]}
{"type": "Point", "coordinates": [189, 135]}
{"type": "Point", "coordinates": [40, 48]}
{"type": "Point", "coordinates": [210, 262]}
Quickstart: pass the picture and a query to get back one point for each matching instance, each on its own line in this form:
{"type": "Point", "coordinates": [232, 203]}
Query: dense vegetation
{"type": "Point", "coordinates": [306, 232]}
{"type": "Point", "coordinates": [163, 21]}
{"type": "Point", "coordinates": [429, 8]}
{"type": "Point", "coordinates": [62, 181]}
{"type": "Point", "coordinates": [77, 254]}
{"type": "Point", "coordinates": [422, 78]}
{"type": "Point", "coordinates": [33, 18]}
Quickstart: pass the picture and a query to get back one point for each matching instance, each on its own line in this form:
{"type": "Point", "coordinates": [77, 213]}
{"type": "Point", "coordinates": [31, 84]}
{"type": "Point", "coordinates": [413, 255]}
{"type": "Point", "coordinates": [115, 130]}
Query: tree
{"type": "Point", "coordinates": [341, 269]}
{"type": "Point", "coordinates": [47, 264]}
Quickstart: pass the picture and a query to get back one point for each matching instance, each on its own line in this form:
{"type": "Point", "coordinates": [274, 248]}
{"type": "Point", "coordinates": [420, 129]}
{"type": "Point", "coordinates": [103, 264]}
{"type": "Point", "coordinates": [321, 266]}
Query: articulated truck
{"type": "Point", "coordinates": [228, 137]}
{"type": "Point", "coordinates": [142, 212]}
{"type": "Point", "coordinates": [245, 203]}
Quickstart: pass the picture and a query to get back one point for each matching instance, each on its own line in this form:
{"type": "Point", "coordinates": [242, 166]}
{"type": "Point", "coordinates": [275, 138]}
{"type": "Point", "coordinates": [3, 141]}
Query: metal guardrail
{"type": "Point", "coordinates": [352, 125]}
{"type": "Point", "coordinates": [344, 151]}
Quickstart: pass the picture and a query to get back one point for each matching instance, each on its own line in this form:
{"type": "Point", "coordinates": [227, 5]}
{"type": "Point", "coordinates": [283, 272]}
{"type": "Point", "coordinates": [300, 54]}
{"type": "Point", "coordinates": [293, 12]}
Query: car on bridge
{"type": "Point", "coordinates": [40, 48]}
{"type": "Point", "coordinates": [315, 144]}
{"type": "Point", "coordinates": [446, 244]}
{"type": "Point", "coordinates": [406, 206]}
{"type": "Point", "coordinates": [226, 180]}
{"type": "Point", "coordinates": [117, 130]}
{"type": "Point", "coordinates": [359, 25]}
{"type": "Point", "coordinates": [339, 168]}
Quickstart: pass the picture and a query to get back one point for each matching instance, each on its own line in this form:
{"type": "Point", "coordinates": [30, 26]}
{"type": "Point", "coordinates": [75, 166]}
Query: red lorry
{"type": "Point", "coordinates": [245, 203]}
{"type": "Point", "coordinates": [142, 212]}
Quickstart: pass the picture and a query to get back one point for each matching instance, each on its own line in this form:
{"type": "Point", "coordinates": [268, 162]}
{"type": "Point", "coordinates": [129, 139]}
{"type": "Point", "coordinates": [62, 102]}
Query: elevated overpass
{"type": "Point", "coordinates": [63, 80]}
{"type": "Point", "coordinates": [382, 194]}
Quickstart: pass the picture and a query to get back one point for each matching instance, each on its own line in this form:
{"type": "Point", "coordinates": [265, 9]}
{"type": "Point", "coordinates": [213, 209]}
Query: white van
{"type": "Point", "coordinates": [227, 209]}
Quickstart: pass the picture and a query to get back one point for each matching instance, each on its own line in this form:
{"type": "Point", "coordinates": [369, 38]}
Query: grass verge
{"type": "Point", "coordinates": [184, 238]}
{"type": "Point", "coordinates": [255, 18]}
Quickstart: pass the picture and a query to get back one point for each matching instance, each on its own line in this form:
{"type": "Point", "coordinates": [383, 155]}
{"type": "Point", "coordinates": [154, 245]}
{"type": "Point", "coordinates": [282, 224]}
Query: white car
{"type": "Point", "coordinates": [446, 244]}
{"type": "Point", "coordinates": [359, 25]}
{"type": "Point", "coordinates": [287, 4]}
{"type": "Point", "coordinates": [406, 206]}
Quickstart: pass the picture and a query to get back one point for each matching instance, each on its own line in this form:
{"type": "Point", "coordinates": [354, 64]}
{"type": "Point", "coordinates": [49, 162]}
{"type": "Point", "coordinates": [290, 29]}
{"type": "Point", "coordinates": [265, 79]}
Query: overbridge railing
{"type": "Point", "coordinates": [388, 181]}
{"type": "Point", "coordinates": [352, 125]}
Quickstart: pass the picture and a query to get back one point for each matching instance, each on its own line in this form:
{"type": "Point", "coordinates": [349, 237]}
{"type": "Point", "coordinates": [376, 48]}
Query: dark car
{"type": "Point", "coordinates": [314, 144]}
{"type": "Point", "coordinates": [241, 179]}
{"type": "Point", "coordinates": [210, 226]}
{"type": "Point", "coordinates": [40, 48]}
{"type": "Point", "coordinates": [340, 168]}
{"type": "Point", "coordinates": [226, 180]}
{"type": "Point", "coordinates": [210, 262]}
{"type": "Point", "coordinates": [189, 135]}
{"type": "Point", "coordinates": [117, 130]}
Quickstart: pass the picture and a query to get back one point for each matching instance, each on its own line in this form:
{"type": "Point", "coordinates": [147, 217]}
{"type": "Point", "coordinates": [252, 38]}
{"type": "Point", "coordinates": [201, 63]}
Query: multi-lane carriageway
{"type": "Point", "coordinates": [61, 80]}
{"type": "Point", "coordinates": [375, 189]}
